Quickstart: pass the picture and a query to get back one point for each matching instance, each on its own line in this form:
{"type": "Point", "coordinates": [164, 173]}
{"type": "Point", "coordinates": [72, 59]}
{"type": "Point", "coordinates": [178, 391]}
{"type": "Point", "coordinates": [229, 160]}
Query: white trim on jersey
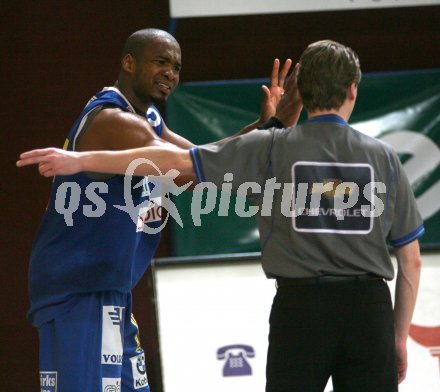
{"type": "Point", "coordinates": [86, 116]}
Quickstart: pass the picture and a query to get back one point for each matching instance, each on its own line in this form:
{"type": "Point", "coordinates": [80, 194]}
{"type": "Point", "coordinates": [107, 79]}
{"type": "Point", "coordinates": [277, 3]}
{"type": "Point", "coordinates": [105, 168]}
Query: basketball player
{"type": "Point", "coordinates": [83, 268]}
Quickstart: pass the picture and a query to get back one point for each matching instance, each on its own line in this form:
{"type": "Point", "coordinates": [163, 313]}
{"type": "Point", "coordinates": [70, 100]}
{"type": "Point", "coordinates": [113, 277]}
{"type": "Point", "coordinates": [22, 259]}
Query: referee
{"type": "Point", "coordinates": [332, 314]}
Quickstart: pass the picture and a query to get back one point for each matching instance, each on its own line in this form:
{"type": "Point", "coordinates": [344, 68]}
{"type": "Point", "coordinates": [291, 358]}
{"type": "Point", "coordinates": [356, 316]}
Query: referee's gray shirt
{"type": "Point", "coordinates": [338, 196]}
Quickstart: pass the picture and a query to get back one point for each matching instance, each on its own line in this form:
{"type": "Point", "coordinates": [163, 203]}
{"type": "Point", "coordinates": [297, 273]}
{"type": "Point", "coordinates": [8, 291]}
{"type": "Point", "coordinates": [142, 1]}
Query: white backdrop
{"type": "Point", "coordinates": [207, 306]}
{"type": "Point", "coordinates": [197, 8]}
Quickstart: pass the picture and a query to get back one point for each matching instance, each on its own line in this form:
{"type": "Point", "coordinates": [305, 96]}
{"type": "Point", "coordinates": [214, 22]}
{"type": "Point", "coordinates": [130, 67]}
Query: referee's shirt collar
{"type": "Point", "coordinates": [332, 118]}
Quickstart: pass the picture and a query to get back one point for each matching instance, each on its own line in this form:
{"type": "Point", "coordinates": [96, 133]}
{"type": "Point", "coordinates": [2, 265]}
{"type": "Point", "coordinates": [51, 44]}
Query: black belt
{"type": "Point", "coordinates": [285, 282]}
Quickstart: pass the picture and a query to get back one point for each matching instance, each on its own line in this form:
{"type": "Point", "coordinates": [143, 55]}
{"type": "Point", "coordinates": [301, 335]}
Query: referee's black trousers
{"type": "Point", "coordinates": [340, 329]}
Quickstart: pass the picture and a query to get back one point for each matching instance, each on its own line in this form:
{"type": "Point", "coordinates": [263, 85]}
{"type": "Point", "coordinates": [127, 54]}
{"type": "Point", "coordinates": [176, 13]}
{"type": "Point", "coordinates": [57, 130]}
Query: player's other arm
{"type": "Point", "coordinates": [279, 99]}
{"type": "Point", "coordinates": [407, 283]}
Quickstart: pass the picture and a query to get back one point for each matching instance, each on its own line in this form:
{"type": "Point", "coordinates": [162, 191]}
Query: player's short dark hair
{"type": "Point", "coordinates": [136, 42]}
{"type": "Point", "coordinates": [327, 69]}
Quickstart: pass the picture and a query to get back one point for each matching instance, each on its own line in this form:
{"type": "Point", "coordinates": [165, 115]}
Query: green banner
{"type": "Point", "coordinates": [402, 109]}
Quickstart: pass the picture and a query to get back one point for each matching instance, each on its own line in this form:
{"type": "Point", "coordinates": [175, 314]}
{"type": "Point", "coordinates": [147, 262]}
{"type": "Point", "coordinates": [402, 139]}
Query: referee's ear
{"type": "Point", "coordinates": [352, 92]}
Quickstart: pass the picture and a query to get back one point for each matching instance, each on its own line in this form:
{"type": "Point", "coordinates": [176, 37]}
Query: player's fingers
{"type": "Point", "coordinates": [37, 152]}
{"type": "Point", "coordinates": [20, 163]}
{"type": "Point", "coordinates": [266, 91]}
{"type": "Point", "coordinates": [274, 74]}
{"type": "Point", "coordinates": [30, 161]}
{"type": "Point", "coordinates": [45, 169]}
{"type": "Point", "coordinates": [284, 72]}
{"type": "Point", "coordinates": [49, 173]}
{"type": "Point", "coordinates": [34, 156]}
{"type": "Point", "coordinates": [42, 168]}
{"type": "Point", "coordinates": [291, 81]}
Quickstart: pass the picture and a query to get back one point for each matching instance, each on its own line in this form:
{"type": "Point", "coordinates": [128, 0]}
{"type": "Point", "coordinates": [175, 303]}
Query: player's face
{"type": "Point", "coordinates": [157, 72]}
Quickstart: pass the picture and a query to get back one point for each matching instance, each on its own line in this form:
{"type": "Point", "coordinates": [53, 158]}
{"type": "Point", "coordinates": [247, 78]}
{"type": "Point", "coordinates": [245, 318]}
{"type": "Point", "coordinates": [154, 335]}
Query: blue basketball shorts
{"type": "Point", "coordinates": [94, 347]}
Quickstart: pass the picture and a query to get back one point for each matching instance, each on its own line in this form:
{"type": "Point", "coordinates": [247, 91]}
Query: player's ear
{"type": "Point", "coordinates": [128, 63]}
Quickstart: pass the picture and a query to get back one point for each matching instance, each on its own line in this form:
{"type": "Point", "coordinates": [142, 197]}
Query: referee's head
{"type": "Point", "coordinates": [327, 69]}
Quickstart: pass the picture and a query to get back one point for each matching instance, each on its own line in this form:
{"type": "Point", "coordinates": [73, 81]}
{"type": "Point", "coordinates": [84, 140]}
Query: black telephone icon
{"type": "Point", "coordinates": [236, 363]}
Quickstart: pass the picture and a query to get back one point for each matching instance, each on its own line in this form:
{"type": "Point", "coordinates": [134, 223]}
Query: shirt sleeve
{"type": "Point", "coordinates": [407, 224]}
{"type": "Point", "coordinates": [244, 159]}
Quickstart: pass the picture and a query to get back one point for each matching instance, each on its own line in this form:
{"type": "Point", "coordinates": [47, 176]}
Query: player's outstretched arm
{"type": "Point", "coordinates": [55, 161]}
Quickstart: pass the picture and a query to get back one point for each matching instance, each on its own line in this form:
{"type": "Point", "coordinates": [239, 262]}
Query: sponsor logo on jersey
{"type": "Point", "coordinates": [116, 315]}
{"type": "Point", "coordinates": [151, 213]}
{"type": "Point", "coordinates": [332, 197]}
{"type": "Point", "coordinates": [145, 187]}
{"type": "Point", "coordinates": [112, 322]}
{"type": "Point", "coordinates": [139, 371]}
{"type": "Point", "coordinates": [153, 117]}
{"type": "Point", "coordinates": [336, 190]}
{"type": "Point", "coordinates": [48, 381]}
{"type": "Point", "coordinates": [111, 385]}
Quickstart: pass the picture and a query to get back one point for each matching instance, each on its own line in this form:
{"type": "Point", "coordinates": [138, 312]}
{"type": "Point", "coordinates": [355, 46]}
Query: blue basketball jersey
{"type": "Point", "coordinates": [95, 235]}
